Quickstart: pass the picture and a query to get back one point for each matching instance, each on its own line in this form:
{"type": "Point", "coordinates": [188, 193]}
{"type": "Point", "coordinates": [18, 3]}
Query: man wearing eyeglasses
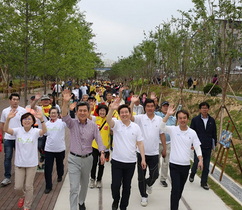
{"type": "Point", "coordinates": [206, 130]}
{"type": "Point", "coordinates": [9, 140]}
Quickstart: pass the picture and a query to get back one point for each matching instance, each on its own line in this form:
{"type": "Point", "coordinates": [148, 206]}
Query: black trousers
{"type": "Point", "coordinates": [152, 163]}
{"type": "Point", "coordinates": [122, 173]}
{"type": "Point", "coordinates": [179, 174]}
{"type": "Point", "coordinates": [96, 160]}
{"type": "Point", "coordinates": [49, 162]}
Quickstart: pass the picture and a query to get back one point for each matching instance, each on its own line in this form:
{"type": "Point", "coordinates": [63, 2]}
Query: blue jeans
{"type": "Point", "coordinates": [206, 153]}
{"type": "Point", "coordinates": [8, 150]}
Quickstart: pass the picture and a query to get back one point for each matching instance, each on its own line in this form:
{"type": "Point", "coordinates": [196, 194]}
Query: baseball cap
{"type": "Point", "coordinates": [165, 103]}
{"type": "Point", "coordinates": [45, 97]}
{"type": "Point", "coordinates": [32, 97]}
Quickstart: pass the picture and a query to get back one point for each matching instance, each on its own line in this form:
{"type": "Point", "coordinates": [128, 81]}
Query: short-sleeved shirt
{"type": "Point", "coordinates": [55, 141]}
{"type": "Point", "coordinates": [150, 131]}
{"type": "Point", "coordinates": [26, 147]}
{"type": "Point", "coordinates": [124, 141]}
{"type": "Point", "coordinates": [14, 122]}
{"type": "Point", "coordinates": [171, 121]}
{"type": "Point", "coordinates": [181, 142]}
{"type": "Point", "coordinates": [82, 135]}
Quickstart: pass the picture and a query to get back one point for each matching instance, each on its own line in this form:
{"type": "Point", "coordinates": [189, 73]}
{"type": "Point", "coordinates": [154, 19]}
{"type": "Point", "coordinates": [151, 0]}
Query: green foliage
{"type": "Point", "coordinates": [214, 92]}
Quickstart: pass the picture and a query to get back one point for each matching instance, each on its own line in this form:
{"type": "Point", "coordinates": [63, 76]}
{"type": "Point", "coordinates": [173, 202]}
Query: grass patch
{"type": "Point", "coordinates": [226, 198]}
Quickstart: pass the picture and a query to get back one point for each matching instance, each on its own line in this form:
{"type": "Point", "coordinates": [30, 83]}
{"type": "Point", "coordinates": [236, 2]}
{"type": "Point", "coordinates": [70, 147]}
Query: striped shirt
{"type": "Point", "coordinates": [82, 135]}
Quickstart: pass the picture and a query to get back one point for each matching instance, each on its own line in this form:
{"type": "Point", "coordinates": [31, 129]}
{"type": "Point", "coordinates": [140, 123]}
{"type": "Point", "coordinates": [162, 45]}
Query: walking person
{"type": "Point", "coordinates": [9, 140]}
{"type": "Point", "coordinates": [182, 137]}
{"type": "Point", "coordinates": [152, 135]}
{"type": "Point", "coordinates": [205, 127]}
{"type": "Point", "coordinates": [100, 120]}
{"type": "Point", "coordinates": [80, 159]}
{"type": "Point", "coordinates": [54, 147]}
{"type": "Point", "coordinates": [126, 135]}
{"type": "Point", "coordinates": [26, 155]}
{"type": "Point", "coordinates": [165, 160]}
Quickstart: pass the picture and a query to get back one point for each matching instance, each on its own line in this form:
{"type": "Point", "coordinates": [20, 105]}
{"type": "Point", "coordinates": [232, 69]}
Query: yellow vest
{"type": "Point", "coordinates": [105, 132]}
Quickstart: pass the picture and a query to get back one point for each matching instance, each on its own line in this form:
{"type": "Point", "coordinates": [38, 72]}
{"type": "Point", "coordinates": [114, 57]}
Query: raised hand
{"type": "Point", "coordinates": [153, 96]}
{"type": "Point", "coordinates": [66, 95]}
{"type": "Point", "coordinates": [37, 96]}
{"type": "Point", "coordinates": [121, 89]}
{"type": "Point", "coordinates": [12, 113]}
{"type": "Point", "coordinates": [171, 110]}
{"type": "Point", "coordinates": [39, 114]}
{"type": "Point", "coordinates": [134, 98]}
{"type": "Point", "coordinates": [115, 103]}
{"type": "Point", "coordinates": [72, 106]}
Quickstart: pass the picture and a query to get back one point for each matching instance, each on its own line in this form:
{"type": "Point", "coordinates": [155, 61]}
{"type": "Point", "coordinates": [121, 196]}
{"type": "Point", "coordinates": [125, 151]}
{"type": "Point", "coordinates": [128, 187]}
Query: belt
{"type": "Point", "coordinates": [81, 156]}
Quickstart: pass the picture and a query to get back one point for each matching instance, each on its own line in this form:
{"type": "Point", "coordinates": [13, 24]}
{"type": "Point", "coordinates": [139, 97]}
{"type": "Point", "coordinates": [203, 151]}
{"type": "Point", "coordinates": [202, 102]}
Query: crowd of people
{"type": "Point", "coordinates": [105, 120]}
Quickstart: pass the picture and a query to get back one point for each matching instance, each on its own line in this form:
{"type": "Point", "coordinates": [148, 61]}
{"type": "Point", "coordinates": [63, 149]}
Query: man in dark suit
{"type": "Point", "coordinates": [205, 127]}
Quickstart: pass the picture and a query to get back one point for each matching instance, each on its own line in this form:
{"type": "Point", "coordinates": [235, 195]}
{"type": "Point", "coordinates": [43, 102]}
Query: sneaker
{"type": "Point", "coordinates": [144, 201]}
{"type": "Point", "coordinates": [149, 189]}
{"type": "Point", "coordinates": [191, 177]}
{"type": "Point", "coordinates": [164, 184]}
{"type": "Point", "coordinates": [99, 184]}
{"type": "Point", "coordinates": [92, 183]}
{"type": "Point", "coordinates": [6, 182]}
{"type": "Point", "coordinates": [20, 202]}
{"type": "Point", "coordinates": [204, 186]}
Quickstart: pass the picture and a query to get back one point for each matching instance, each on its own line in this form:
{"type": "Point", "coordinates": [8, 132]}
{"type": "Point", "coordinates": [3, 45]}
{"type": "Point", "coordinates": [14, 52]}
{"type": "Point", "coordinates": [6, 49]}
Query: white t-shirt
{"type": "Point", "coordinates": [55, 141]}
{"type": "Point", "coordinates": [84, 89]}
{"type": "Point", "coordinates": [76, 93]}
{"type": "Point", "coordinates": [59, 88]}
{"type": "Point", "coordinates": [150, 131]}
{"type": "Point", "coordinates": [181, 142]}
{"type": "Point", "coordinates": [26, 147]}
{"type": "Point", "coordinates": [14, 122]}
{"type": "Point", "coordinates": [124, 141]}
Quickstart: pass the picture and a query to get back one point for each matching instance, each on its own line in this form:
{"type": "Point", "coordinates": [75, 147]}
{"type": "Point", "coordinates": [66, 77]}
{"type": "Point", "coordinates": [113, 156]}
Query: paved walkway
{"type": "Point", "coordinates": [194, 197]}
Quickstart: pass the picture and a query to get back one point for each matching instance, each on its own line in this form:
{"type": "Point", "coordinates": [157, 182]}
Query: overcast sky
{"type": "Point", "coordinates": [119, 24]}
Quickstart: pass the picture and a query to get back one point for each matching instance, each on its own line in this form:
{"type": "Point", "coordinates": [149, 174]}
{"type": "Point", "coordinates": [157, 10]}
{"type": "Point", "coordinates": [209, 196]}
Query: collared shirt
{"type": "Point", "coordinates": [124, 141]}
{"type": "Point", "coordinates": [181, 142]}
{"type": "Point", "coordinates": [171, 121]}
{"type": "Point", "coordinates": [150, 131]}
{"type": "Point", "coordinates": [205, 120]}
{"type": "Point", "coordinates": [82, 135]}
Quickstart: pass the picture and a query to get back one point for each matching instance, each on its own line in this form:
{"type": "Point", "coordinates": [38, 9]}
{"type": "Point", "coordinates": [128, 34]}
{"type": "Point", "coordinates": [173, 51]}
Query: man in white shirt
{"type": "Point", "coordinates": [182, 137]}
{"type": "Point", "coordinates": [84, 89]}
{"type": "Point", "coordinates": [57, 89]}
{"type": "Point", "coordinates": [149, 124]}
{"type": "Point", "coordinates": [126, 135]}
{"type": "Point", "coordinates": [9, 140]}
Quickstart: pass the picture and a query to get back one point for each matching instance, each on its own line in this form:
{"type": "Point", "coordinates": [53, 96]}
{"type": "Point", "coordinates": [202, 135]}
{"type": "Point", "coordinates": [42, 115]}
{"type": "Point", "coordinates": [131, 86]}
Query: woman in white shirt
{"type": "Point", "coordinates": [26, 154]}
{"type": "Point", "coordinates": [54, 147]}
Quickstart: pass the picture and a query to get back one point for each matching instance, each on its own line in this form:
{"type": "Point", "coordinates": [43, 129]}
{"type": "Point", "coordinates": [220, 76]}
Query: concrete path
{"type": "Point", "coordinates": [194, 197]}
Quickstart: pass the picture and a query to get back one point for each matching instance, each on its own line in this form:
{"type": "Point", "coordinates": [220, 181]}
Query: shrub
{"type": "Point", "coordinates": [215, 91]}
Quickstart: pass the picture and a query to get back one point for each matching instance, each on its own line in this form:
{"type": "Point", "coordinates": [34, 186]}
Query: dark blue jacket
{"type": "Point", "coordinates": [205, 135]}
